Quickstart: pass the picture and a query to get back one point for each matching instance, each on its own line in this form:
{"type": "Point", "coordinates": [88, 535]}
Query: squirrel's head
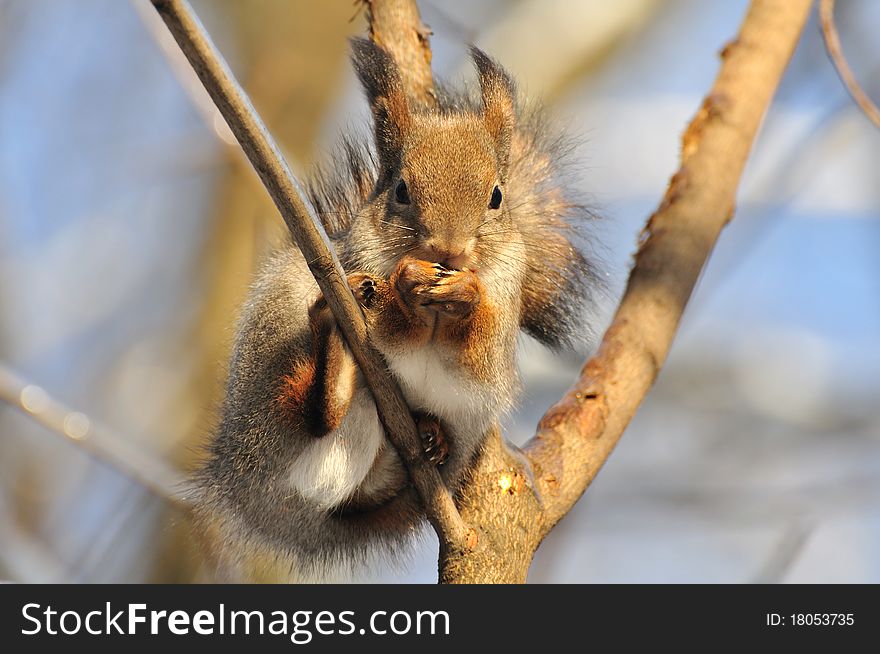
{"type": "Point", "coordinates": [441, 175]}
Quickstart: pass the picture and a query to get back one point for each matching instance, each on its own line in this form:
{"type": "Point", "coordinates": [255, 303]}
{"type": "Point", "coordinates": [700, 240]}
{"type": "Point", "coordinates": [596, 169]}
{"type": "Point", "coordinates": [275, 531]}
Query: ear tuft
{"type": "Point", "coordinates": [380, 78]}
{"type": "Point", "coordinates": [498, 91]}
{"type": "Point", "coordinates": [375, 68]}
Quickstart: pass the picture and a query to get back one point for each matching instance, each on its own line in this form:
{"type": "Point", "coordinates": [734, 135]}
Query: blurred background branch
{"type": "Point", "coordinates": [835, 51]}
{"type": "Point", "coordinates": [79, 430]}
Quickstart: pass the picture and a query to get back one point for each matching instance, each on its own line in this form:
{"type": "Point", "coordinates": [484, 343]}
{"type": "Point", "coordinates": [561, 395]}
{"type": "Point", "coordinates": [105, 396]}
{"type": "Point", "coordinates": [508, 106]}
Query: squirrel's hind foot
{"type": "Point", "coordinates": [433, 439]}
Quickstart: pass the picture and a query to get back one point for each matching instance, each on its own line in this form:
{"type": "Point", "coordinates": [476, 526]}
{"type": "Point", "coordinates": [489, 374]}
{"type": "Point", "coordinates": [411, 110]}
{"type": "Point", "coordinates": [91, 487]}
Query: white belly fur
{"type": "Point", "coordinates": [429, 385]}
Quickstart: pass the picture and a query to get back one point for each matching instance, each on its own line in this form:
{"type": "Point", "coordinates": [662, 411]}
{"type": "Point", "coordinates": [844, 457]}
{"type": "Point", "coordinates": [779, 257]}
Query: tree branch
{"type": "Point", "coordinates": [513, 507]}
{"type": "Point", "coordinates": [308, 234]}
{"type": "Point", "coordinates": [577, 435]}
{"type": "Point", "coordinates": [835, 51]}
{"type": "Point", "coordinates": [397, 26]}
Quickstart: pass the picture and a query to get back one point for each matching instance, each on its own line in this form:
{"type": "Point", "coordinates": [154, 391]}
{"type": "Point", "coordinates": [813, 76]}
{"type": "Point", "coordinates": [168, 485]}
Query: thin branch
{"type": "Point", "coordinates": [513, 507]}
{"type": "Point", "coordinates": [785, 553]}
{"type": "Point", "coordinates": [835, 51]}
{"type": "Point", "coordinates": [80, 430]}
{"type": "Point", "coordinates": [308, 234]}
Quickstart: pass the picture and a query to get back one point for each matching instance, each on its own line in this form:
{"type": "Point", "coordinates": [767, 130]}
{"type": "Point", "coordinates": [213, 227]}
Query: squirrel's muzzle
{"type": "Point", "coordinates": [454, 254]}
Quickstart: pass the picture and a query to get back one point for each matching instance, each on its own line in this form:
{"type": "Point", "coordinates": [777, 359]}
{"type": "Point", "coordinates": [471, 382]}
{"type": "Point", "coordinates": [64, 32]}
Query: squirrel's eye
{"type": "Point", "coordinates": [495, 201]}
{"type": "Point", "coordinates": [401, 193]}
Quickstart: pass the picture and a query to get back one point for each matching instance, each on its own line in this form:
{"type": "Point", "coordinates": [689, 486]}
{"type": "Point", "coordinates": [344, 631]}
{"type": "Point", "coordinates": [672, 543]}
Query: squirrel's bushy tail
{"type": "Point", "coordinates": [252, 516]}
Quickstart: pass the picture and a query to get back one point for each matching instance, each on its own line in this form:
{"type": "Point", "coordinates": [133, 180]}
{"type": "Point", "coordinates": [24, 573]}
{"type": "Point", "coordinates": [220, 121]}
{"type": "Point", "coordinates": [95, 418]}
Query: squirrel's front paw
{"type": "Point", "coordinates": [434, 287]}
{"type": "Point", "coordinates": [365, 289]}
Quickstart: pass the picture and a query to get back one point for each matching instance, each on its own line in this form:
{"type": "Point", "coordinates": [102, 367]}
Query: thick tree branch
{"type": "Point", "coordinates": [577, 435]}
{"type": "Point", "coordinates": [835, 51]}
{"type": "Point", "coordinates": [308, 234]}
{"type": "Point", "coordinates": [512, 507]}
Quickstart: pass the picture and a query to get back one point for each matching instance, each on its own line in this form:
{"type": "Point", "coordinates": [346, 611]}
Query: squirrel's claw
{"type": "Point", "coordinates": [367, 290]}
{"type": "Point", "coordinates": [364, 289]}
{"type": "Point", "coordinates": [436, 288]}
{"type": "Point", "coordinates": [442, 271]}
{"type": "Point", "coordinates": [433, 439]}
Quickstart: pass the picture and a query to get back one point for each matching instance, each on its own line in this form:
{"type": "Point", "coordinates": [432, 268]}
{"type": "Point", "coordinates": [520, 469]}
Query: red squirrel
{"type": "Point", "coordinates": [458, 232]}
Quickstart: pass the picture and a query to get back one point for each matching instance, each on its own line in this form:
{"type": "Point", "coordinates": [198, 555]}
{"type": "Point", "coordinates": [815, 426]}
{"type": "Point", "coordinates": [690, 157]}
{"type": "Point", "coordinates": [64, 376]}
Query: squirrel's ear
{"type": "Point", "coordinates": [499, 103]}
{"type": "Point", "coordinates": [380, 77]}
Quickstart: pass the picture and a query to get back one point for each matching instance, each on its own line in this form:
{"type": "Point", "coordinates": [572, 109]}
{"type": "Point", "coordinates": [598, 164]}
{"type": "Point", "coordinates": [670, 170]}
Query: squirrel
{"type": "Point", "coordinates": [457, 232]}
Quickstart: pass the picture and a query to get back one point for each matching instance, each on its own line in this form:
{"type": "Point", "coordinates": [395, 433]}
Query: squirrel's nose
{"type": "Point", "coordinates": [453, 255]}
